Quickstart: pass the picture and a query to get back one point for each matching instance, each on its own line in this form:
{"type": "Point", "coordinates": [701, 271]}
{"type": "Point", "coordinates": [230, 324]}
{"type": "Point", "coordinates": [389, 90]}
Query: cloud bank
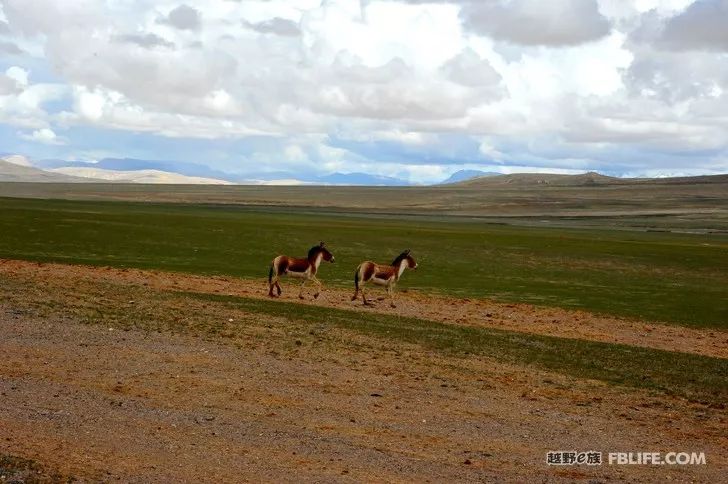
{"type": "Point", "coordinates": [410, 89]}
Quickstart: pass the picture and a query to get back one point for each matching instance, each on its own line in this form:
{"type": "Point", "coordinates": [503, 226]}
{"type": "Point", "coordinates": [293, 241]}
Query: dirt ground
{"type": "Point", "coordinates": [101, 403]}
{"type": "Point", "coordinates": [474, 312]}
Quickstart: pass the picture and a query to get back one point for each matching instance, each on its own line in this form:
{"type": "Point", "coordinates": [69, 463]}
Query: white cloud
{"type": "Point", "coordinates": [537, 22]}
{"type": "Point", "coordinates": [295, 153]}
{"type": "Point", "coordinates": [9, 48]}
{"type": "Point", "coordinates": [183, 17]}
{"type": "Point", "coordinates": [703, 25]}
{"type": "Point", "coordinates": [469, 69]}
{"type": "Point", "coordinates": [22, 103]}
{"type": "Point", "coordinates": [490, 152]}
{"type": "Point", "coordinates": [396, 84]}
{"type": "Point", "coordinates": [114, 110]}
{"type": "Point", "coordinates": [276, 25]}
{"type": "Point", "coordinates": [18, 74]}
{"type": "Point", "coordinates": [147, 40]}
{"type": "Point", "coordinates": [44, 136]}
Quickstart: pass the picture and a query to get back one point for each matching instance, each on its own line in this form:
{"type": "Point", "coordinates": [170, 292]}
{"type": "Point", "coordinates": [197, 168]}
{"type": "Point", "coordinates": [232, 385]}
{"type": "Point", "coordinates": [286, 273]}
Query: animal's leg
{"type": "Point", "coordinates": [363, 297]}
{"type": "Point", "coordinates": [274, 284]}
{"type": "Point", "coordinates": [390, 290]}
{"type": "Point", "coordinates": [318, 287]}
{"type": "Point", "coordinates": [272, 277]}
{"type": "Point", "coordinates": [356, 284]}
{"type": "Point", "coordinates": [300, 291]}
{"type": "Point", "coordinates": [270, 289]}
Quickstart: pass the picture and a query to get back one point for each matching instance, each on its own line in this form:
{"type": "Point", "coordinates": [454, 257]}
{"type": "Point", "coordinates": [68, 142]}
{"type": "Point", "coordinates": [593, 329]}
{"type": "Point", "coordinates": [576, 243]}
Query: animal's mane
{"type": "Point", "coordinates": [400, 258]}
{"type": "Point", "coordinates": [314, 251]}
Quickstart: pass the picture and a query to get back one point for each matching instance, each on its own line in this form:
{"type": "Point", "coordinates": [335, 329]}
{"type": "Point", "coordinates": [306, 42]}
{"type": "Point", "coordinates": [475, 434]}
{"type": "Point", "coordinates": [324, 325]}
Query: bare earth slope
{"type": "Point", "coordinates": [264, 398]}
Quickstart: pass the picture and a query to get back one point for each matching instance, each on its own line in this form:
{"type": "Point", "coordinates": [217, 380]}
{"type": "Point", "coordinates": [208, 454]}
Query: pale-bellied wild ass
{"type": "Point", "coordinates": [302, 268]}
{"type": "Point", "coordinates": [383, 275]}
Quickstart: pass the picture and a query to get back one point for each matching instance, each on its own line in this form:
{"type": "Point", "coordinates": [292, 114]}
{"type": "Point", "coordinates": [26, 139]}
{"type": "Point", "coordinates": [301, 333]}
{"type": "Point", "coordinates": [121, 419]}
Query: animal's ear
{"type": "Point", "coordinates": [407, 252]}
{"type": "Point", "coordinates": [321, 244]}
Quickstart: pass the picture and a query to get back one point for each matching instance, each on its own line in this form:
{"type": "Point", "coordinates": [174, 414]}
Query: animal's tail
{"type": "Point", "coordinates": [270, 274]}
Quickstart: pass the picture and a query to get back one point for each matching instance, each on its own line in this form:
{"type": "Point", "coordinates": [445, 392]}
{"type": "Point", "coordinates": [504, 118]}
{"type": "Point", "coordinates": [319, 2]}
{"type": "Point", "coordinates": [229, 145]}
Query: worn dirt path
{"type": "Point", "coordinates": [474, 312]}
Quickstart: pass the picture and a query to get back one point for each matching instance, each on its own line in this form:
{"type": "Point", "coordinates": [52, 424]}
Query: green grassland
{"type": "Point", "coordinates": [675, 278]}
{"type": "Point", "coordinates": [697, 204]}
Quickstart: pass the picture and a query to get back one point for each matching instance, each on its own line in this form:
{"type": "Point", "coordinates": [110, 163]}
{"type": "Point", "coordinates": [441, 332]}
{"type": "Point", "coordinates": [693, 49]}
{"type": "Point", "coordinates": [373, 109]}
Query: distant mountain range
{"type": "Point", "coordinates": [17, 168]}
{"type": "Point", "coordinates": [137, 176]}
{"type": "Point", "coordinates": [161, 171]}
{"type": "Point", "coordinates": [131, 170]}
{"type": "Point", "coordinates": [156, 170]}
{"type": "Point", "coordinates": [130, 165]}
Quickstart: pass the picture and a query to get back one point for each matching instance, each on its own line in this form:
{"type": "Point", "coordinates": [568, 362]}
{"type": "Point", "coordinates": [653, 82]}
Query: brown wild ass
{"type": "Point", "coordinates": [382, 275]}
{"type": "Point", "coordinates": [303, 268]}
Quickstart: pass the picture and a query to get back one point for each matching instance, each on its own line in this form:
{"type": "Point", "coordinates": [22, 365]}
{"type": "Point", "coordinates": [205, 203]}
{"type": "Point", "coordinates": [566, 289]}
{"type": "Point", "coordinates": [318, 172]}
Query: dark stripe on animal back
{"type": "Point", "coordinates": [399, 259]}
{"type": "Point", "coordinates": [313, 252]}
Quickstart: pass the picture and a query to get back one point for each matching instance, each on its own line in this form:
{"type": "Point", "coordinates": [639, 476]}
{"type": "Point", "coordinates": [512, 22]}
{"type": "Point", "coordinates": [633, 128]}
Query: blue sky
{"type": "Point", "coordinates": [411, 89]}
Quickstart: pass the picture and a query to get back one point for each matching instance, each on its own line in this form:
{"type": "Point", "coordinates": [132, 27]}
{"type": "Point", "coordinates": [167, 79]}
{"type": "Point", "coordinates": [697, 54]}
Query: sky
{"type": "Point", "coordinates": [410, 89]}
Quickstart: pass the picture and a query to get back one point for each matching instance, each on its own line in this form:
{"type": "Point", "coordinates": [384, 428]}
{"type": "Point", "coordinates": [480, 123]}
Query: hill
{"type": "Point", "coordinates": [465, 175]}
{"type": "Point", "coordinates": [14, 171]}
{"type": "Point", "coordinates": [530, 179]}
{"type": "Point", "coordinates": [138, 176]}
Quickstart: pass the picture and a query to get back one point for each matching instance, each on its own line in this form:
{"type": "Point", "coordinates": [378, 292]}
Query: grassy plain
{"type": "Point", "coordinates": [687, 204]}
{"type": "Point", "coordinates": [670, 277]}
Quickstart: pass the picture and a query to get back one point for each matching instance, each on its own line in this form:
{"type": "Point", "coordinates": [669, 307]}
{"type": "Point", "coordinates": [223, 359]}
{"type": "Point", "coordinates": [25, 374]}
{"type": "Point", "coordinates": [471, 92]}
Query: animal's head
{"type": "Point", "coordinates": [321, 249]}
{"type": "Point", "coordinates": [407, 257]}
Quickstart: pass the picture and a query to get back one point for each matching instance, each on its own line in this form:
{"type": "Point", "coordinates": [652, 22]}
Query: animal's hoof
{"type": "Point", "coordinates": [393, 305]}
{"type": "Point", "coordinates": [315, 296]}
{"type": "Point", "coordinates": [353, 298]}
{"type": "Point", "coordinates": [301, 297]}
